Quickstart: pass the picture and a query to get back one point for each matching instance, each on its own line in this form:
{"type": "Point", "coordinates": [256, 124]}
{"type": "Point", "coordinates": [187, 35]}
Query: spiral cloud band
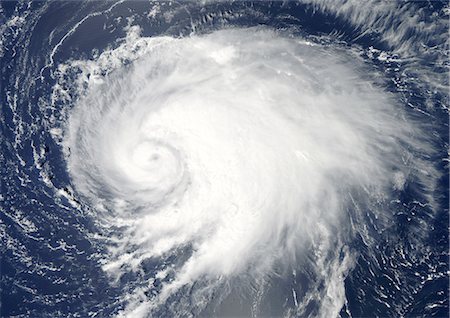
{"type": "Point", "coordinates": [242, 150]}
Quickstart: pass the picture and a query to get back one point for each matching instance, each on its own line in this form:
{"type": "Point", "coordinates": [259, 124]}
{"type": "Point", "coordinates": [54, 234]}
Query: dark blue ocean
{"type": "Point", "coordinates": [51, 255]}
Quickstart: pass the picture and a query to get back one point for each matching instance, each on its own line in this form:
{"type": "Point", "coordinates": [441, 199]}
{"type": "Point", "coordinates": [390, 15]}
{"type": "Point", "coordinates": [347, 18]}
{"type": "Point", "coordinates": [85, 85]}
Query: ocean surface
{"type": "Point", "coordinates": [224, 159]}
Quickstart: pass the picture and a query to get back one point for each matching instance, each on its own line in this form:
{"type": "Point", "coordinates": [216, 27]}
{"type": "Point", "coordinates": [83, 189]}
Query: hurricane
{"type": "Point", "coordinates": [224, 159]}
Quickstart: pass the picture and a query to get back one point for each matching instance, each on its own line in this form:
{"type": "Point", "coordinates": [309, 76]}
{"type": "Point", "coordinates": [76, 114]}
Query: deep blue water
{"type": "Point", "coordinates": [51, 269]}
